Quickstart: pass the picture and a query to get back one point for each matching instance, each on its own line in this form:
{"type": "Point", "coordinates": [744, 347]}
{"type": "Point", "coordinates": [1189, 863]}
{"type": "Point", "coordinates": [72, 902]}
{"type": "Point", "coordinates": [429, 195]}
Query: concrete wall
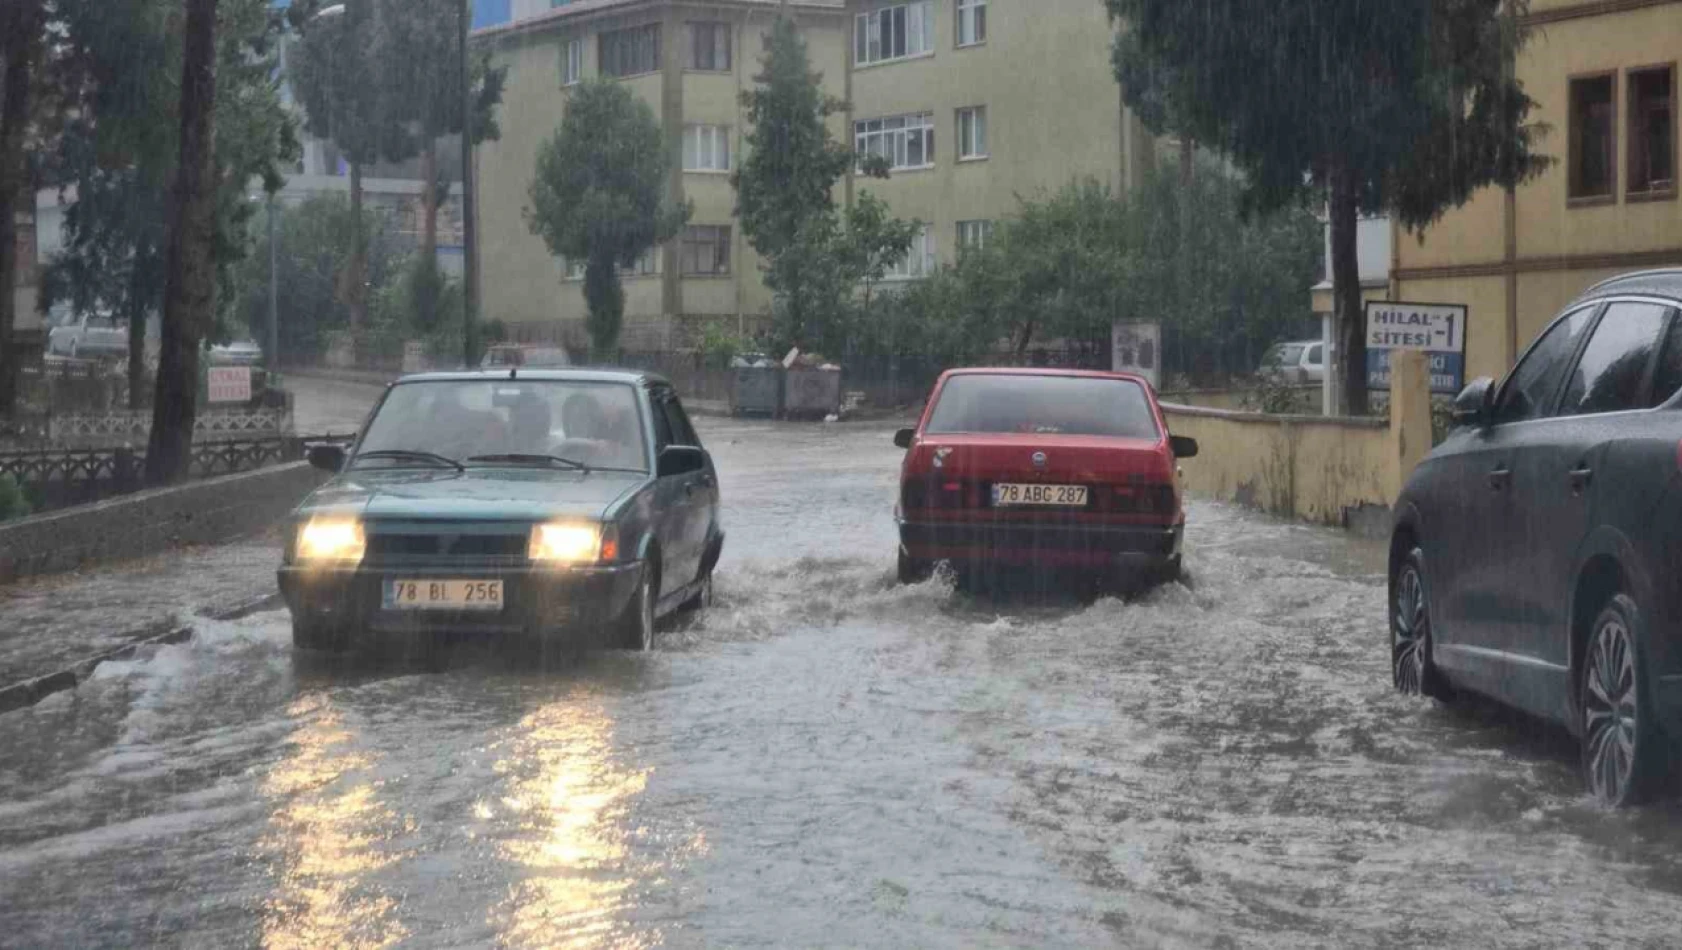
{"type": "Point", "coordinates": [207, 512]}
{"type": "Point", "coordinates": [1516, 266]}
{"type": "Point", "coordinates": [1330, 471]}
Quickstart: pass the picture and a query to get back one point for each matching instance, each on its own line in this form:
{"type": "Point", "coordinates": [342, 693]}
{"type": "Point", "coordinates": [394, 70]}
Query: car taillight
{"type": "Point", "coordinates": [914, 494]}
{"type": "Point", "coordinates": [934, 493]}
{"type": "Point", "coordinates": [1145, 499]}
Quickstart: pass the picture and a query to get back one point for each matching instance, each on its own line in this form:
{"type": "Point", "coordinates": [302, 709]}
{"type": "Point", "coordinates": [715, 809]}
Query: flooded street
{"type": "Point", "coordinates": [827, 759]}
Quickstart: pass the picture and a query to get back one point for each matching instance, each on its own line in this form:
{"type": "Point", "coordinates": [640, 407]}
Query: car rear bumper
{"type": "Point", "coordinates": [536, 602]}
{"type": "Point", "coordinates": [1051, 545]}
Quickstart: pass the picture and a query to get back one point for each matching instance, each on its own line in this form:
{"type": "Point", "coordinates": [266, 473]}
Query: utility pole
{"type": "Point", "coordinates": [469, 239]}
{"type": "Point", "coordinates": [274, 293]}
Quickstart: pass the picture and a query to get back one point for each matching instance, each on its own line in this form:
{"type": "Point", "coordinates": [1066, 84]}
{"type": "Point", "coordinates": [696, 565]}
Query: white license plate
{"type": "Point", "coordinates": [443, 595]}
{"type": "Point", "coordinates": [1070, 496]}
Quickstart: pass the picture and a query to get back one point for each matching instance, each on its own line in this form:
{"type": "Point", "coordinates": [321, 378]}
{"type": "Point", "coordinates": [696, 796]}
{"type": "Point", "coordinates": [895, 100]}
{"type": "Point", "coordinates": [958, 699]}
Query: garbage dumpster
{"type": "Point", "coordinates": [812, 390]}
{"type": "Point", "coordinates": [758, 385]}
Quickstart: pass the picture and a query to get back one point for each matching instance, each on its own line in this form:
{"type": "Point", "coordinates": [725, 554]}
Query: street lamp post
{"type": "Point", "coordinates": [469, 243]}
{"type": "Point", "coordinates": [274, 293]}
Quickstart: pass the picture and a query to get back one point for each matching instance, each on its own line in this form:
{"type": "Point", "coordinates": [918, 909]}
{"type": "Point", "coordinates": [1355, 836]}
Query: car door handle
{"type": "Point", "coordinates": [1579, 478]}
{"type": "Point", "coordinates": [1500, 478]}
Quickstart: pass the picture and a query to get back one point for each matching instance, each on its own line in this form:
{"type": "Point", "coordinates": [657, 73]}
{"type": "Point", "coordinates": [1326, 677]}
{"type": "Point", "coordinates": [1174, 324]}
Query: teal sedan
{"type": "Point", "coordinates": [543, 504]}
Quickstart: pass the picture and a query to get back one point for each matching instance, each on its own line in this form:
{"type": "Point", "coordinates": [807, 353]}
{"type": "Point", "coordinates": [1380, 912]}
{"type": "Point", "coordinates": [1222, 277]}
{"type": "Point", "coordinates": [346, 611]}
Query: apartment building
{"type": "Point", "coordinates": [1604, 75]}
{"type": "Point", "coordinates": [974, 103]}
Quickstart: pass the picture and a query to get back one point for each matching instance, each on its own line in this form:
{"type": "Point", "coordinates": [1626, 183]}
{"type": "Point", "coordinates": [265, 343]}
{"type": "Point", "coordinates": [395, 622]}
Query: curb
{"type": "Point", "coordinates": [29, 692]}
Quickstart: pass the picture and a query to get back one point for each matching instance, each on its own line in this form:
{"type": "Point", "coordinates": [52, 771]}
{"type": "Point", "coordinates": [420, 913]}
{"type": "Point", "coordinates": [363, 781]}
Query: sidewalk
{"type": "Point", "coordinates": [52, 623]}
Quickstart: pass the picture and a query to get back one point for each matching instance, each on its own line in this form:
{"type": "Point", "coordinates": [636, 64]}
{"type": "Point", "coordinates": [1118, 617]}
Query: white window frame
{"type": "Point", "coordinates": [720, 235]}
{"type": "Point", "coordinates": [972, 141]}
{"type": "Point", "coordinates": [650, 264]}
{"type": "Point", "coordinates": [974, 234]}
{"type": "Point", "coordinates": [973, 15]}
{"type": "Point", "coordinates": [706, 148]}
{"type": "Point", "coordinates": [907, 34]}
{"type": "Point", "coordinates": [919, 262]}
{"type": "Point", "coordinates": [622, 35]}
{"type": "Point", "coordinates": [714, 28]}
{"type": "Point", "coordinates": [572, 61]}
{"type": "Point", "coordinates": [899, 139]}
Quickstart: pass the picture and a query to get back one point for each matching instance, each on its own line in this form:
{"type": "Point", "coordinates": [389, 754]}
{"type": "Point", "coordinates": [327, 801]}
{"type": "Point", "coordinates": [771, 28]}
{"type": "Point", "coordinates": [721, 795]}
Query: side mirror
{"type": "Point", "coordinates": [1475, 406]}
{"type": "Point", "coordinates": [680, 460]}
{"type": "Point", "coordinates": [903, 437]}
{"type": "Point", "coordinates": [1184, 446]}
{"type": "Point", "coordinates": [328, 457]}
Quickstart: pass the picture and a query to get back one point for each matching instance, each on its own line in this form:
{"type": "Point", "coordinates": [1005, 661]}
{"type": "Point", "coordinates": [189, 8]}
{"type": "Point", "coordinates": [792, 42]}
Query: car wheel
{"type": "Point", "coordinates": [1170, 571]}
{"type": "Point", "coordinates": [318, 635]}
{"type": "Point", "coordinates": [914, 570]}
{"type": "Point", "coordinates": [1411, 664]}
{"type": "Point", "coordinates": [703, 596]}
{"type": "Point", "coordinates": [1624, 752]}
{"type": "Point", "coordinates": [636, 626]}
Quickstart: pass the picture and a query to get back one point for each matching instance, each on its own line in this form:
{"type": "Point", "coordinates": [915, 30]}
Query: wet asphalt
{"type": "Point", "coordinates": [825, 759]}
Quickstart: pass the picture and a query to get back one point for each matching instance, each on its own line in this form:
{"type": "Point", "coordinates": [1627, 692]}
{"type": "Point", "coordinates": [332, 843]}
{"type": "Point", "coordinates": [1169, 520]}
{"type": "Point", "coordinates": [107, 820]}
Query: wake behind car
{"type": "Point", "coordinates": [1041, 468]}
{"type": "Point", "coordinates": [1535, 551]}
{"type": "Point", "coordinates": [537, 504]}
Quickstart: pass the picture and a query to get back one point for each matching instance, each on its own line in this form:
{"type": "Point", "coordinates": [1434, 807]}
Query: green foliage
{"type": "Point", "coordinates": [336, 75]}
{"type": "Point", "coordinates": [316, 239]}
{"type": "Point", "coordinates": [417, 59]}
{"type": "Point", "coordinates": [13, 502]}
{"type": "Point", "coordinates": [599, 195]}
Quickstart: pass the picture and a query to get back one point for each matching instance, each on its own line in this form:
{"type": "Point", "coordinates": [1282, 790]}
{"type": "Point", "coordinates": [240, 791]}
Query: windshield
{"type": "Point", "coordinates": [1285, 354]}
{"type": "Point", "coordinates": [1060, 405]}
{"type": "Point", "coordinates": [594, 424]}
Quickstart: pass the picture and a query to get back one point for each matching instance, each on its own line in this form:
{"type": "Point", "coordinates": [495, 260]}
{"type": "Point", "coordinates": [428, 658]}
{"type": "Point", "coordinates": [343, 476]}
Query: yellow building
{"type": "Point", "coordinates": [1604, 76]}
{"type": "Point", "coordinates": [974, 103]}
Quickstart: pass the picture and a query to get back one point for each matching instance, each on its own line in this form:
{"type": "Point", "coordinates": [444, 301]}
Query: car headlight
{"type": "Point", "coordinates": [331, 539]}
{"type": "Point", "coordinates": [570, 542]}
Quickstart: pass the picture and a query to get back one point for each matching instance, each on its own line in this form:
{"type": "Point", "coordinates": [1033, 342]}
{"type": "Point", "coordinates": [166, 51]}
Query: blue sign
{"type": "Point", "coordinates": [1448, 371]}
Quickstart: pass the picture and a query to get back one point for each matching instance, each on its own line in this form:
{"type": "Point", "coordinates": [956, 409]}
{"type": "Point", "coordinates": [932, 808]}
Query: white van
{"type": "Point", "coordinates": [1300, 361]}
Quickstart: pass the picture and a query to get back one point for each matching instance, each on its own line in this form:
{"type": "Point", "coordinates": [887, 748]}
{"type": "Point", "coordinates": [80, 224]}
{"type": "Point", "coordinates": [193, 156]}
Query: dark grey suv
{"type": "Point", "coordinates": [1535, 552]}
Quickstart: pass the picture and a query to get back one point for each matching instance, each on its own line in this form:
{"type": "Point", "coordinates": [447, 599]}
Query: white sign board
{"type": "Point", "coordinates": [230, 384]}
{"type": "Point", "coordinates": [1428, 327]}
{"type": "Point", "coordinates": [1137, 348]}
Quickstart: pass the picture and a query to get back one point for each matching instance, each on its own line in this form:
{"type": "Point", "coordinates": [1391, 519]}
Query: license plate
{"type": "Point", "coordinates": [1072, 496]}
{"type": "Point", "coordinates": [443, 595]}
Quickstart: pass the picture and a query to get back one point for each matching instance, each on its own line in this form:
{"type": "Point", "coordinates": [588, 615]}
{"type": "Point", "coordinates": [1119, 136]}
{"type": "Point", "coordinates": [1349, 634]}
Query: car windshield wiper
{"type": "Point", "coordinates": [519, 458]}
{"type": "Point", "coordinates": [413, 455]}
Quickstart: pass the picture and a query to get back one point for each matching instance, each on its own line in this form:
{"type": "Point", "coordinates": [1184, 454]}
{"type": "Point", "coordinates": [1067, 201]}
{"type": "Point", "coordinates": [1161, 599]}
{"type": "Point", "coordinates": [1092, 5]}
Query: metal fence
{"type": "Point", "coordinates": [61, 478]}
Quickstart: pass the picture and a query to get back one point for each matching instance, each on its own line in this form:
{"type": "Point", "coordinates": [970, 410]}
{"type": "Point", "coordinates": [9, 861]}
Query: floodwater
{"type": "Point", "coordinates": [825, 759]}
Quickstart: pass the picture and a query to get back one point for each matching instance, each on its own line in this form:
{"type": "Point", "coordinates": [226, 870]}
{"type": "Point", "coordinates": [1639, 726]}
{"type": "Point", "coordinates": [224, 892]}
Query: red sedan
{"type": "Point", "coordinates": [1041, 468]}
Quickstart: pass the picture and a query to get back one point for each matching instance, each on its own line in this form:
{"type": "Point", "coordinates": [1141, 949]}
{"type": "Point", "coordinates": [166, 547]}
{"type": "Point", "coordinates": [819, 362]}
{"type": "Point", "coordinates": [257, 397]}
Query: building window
{"type": "Point", "coordinates": [918, 262]}
{"type": "Point", "coordinates": [647, 265]}
{"type": "Point", "coordinates": [572, 62]}
{"type": "Point", "coordinates": [1652, 131]}
{"type": "Point", "coordinates": [708, 47]}
{"type": "Point", "coordinates": [894, 32]}
{"type": "Point", "coordinates": [972, 22]}
{"type": "Point", "coordinates": [1594, 142]}
{"type": "Point", "coordinates": [972, 133]}
{"type": "Point", "coordinates": [631, 52]}
{"type": "Point", "coordinates": [906, 141]}
{"type": "Point", "coordinates": [973, 235]}
{"type": "Point", "coordinates": [706, 148]}
{"type": "Point", "coordinates": [705, 251]}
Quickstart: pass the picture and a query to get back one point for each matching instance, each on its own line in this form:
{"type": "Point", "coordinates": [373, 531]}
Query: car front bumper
{"type": "Point", "coordinates": [1045, 544]}
{"type": "Point", "coordinates": [537, 602]}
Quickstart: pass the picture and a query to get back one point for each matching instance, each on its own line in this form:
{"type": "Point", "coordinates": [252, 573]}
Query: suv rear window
{"type": "Point", "coordinates": [1055, 405]}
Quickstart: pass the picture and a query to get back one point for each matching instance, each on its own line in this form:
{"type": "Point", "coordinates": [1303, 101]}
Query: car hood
{"type": "Point", "coordinates": [479, 494]}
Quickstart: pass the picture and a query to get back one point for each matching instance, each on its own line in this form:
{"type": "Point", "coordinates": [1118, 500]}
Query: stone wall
{"type": "Point", "coordinates": [205, 512]}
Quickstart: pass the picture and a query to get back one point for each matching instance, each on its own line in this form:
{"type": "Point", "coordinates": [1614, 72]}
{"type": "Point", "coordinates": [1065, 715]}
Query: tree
{"type": "Point", "coordinates": [190, 274]}
{"type": "Point", "coordinates": [785, 187]}
{"type": "Point", "coordinates": [599, 196]}
{"type": "Point", "coordinates": [336, 74]}
{"type": "Point", "coordinates": [22, 25]}
{"type": "Point", "coordinates": [120, 146]}
{"type": "Point", "coordinates": [1376, 104]}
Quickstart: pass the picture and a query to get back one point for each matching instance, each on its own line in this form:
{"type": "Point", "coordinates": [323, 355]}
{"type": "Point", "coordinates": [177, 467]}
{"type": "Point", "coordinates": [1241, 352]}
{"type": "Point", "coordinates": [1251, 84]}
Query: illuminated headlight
{"type": "Point", "coordinates": [568, 543]}
{"type": "Point", "coordinates": [331, 539]}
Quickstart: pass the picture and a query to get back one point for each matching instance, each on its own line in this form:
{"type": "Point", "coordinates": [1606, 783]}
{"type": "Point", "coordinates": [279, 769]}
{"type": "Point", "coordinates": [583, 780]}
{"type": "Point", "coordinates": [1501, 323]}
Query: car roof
{"type": "Point", "coordinates": [1661, 282]}
{"type": "Point", "coordinates": [1042, 371]}
{"type": "Point", "coordinates": [551, 374]}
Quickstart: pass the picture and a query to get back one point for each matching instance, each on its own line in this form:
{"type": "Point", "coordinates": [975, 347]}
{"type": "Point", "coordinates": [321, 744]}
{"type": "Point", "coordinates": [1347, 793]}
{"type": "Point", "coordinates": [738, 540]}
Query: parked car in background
{"type": "Point", "coordinates": [504, 355]}
{"type": "Point", "coordinates": [562, 504]}
{"type": "Point", "coordinates": [236, 353]}
{"type": "Point", "coordinates": [1535, 551]}
{"type": "Point", "coordinates": [1300, 361]}
{"type": "Point", "coordinates": [1061, 469]}
{"type": "Point", "coordinates": [99, 335]}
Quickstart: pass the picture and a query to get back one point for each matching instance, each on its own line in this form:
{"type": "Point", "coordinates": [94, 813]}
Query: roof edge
{"type": "Point", "coordinates": [559, 15]}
